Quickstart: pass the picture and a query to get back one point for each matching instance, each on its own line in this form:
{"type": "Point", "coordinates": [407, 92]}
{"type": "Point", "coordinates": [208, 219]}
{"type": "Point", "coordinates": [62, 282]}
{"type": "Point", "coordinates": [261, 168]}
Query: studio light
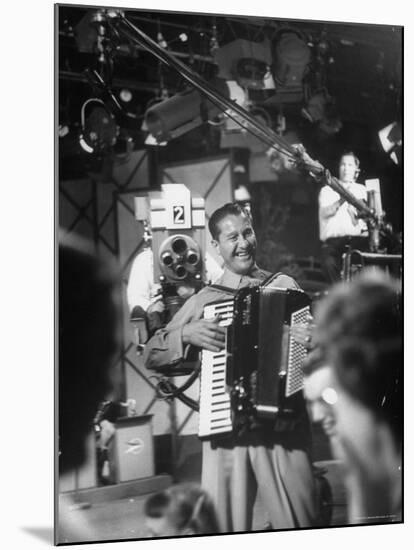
{"type": "Point", "coordinates": [391, 141]}
{"type": "Point", "coordinates": [247, 63]}
{"type": "Point", "coordinates": [99, 131]}
{"type": "Point", "coordinates": [291, 57]}
{"type": "Point", "coordinates": [179, 114]}
{"type": "Point", "coordinates": [126, 95]}
{"type": "Point", "coordinates": [251, 73]}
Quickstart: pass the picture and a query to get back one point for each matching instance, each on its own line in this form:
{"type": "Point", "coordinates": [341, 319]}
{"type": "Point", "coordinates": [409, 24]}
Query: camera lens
{"type": "Point", "coordinates": [192, 257]}
{"type": "Point", "coordinates": [180, 271]}
{"type": "Point", "coordinates": [167, 259]}
{"type": "Point", "coordinates": [179, 246]}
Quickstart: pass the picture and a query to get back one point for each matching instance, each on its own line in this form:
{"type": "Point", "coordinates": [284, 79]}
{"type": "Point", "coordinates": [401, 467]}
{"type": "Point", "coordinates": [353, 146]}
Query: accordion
{"type": "Point", "coordinates": [258, 376]}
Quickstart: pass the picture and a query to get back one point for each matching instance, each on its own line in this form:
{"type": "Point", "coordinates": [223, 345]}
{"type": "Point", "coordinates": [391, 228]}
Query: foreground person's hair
{"type": "Point", "coordinates": [187, 507]}
{"type": "Point", "coordinates": [359, 329]}
{"type": "Point", "coordinates": [88, 338]}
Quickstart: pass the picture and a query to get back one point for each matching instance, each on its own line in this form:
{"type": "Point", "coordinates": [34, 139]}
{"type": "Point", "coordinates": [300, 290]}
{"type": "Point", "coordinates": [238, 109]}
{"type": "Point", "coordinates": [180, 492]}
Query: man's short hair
{"type": "Point", "coordinates": [348, 153]}
{"type": "Point", "coordinates": [229, 209]}
{"type": "Point", "coordinates": [184, 505]}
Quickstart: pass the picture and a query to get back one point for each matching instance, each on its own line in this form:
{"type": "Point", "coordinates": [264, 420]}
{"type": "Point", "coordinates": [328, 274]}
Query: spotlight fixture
{"type": "Point", "coordinates": [291, 58]}
{"type": "Point", "coordinates": [125, 95]}
{"type": "Point", "coordinates": [391, 140]}
{"type": "Point", "coordinates": [99, 131]}
{"type": "Point", "coordinates": [179, 114]}
{"type": "Point", "coordinates": [250, 73]}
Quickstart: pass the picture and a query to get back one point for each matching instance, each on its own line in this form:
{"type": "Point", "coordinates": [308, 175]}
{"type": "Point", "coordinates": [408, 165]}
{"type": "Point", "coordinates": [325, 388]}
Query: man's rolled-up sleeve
{"type": "Point", "coordinates": [166, 348]}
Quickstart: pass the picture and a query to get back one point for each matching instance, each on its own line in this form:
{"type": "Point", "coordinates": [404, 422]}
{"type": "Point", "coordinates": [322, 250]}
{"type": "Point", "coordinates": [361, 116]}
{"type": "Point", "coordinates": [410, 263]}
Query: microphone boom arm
{"type": "Point", "coordinates": [295, 153]}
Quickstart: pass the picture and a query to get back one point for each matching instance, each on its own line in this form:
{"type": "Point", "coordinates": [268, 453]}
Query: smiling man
{"type": "Point", "coordinates": [234, 239]}
{"type": "Point", "coordinates": [235, 468]}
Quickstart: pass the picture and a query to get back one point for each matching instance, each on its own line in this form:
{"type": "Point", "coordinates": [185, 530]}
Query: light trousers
{"type": "Point", "coordinates": [283, 478]}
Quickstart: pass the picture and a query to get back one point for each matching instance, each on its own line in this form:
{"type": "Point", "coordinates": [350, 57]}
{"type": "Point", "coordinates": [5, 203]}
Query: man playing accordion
{"type": "Point", "coordinates": [272, 462]}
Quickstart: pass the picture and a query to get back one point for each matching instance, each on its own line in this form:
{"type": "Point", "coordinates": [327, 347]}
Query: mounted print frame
{"type": "Point", "coordinates": [289, 120]}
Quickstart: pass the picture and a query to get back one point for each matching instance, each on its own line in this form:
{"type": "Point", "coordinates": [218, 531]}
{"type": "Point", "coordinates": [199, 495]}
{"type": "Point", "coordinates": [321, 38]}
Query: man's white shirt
{"type": "Point", "coordinates": [343, 222]}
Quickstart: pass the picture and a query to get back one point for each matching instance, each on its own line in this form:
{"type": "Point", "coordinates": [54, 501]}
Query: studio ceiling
{"type": "Point", "coordinates": [359, 65]}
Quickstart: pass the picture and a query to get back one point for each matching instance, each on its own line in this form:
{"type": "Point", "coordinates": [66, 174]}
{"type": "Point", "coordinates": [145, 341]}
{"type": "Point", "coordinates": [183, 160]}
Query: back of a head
{"type": "Point", "coordinates": [188, 508]}
{"type": "Point", "coordinates": [88, 339]}
{"type": "Point", "coordinates": [359, 328]}
{"type": "Point", "coordinates": [228, 209]}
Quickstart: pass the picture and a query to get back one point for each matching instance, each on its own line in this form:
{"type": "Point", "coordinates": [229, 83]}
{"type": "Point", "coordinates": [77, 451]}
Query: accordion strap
{"type": "Point", "coordinates": [224, 289]}
{"type": "Point", "coordinates": [271, 278]}
{"type": "Point", "coordinates": [232, 291]}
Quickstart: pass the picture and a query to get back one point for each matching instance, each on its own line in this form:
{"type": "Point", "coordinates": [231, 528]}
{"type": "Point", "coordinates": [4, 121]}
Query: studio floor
{"type": "Point", "coordinates": [117, 516]}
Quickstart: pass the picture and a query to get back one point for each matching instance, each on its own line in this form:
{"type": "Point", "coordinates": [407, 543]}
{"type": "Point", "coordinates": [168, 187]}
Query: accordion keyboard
{"type": "Point", "coordinates": [215, 413]}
